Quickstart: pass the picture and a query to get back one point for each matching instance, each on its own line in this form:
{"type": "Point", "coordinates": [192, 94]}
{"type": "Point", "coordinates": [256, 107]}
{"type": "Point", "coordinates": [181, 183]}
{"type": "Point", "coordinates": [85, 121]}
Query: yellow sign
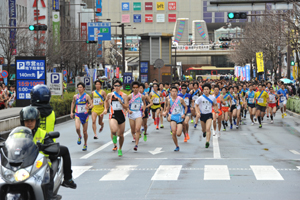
{"type": "Point", "coordinates": [260, 61]}
{"type": "Point", "coordinates": [160, 5]}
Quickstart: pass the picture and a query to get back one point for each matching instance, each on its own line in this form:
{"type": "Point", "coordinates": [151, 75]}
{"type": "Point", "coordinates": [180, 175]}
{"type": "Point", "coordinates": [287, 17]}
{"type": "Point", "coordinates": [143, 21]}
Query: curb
{"type": "Point", "coordinates": [59, 120]}
{"type": "Point", "coordinates": [291, 113]}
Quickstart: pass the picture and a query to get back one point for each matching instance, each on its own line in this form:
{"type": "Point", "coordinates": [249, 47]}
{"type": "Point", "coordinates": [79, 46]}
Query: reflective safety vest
{"type": "Point", "coordinates": [47, 123]}
{"type": "Point", "coordinates": [39, 137]}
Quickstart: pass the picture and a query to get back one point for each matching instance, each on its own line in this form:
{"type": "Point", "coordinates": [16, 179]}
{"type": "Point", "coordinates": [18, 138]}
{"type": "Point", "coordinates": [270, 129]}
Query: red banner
{"type": "Point", "coordinates": [83, 32]}
{"type": "Point", "coordinates": [148, 17]}
{"type": "Point", "coordinates": [117, 72]}
{"type": "Point", "coordinates": [148, 6]}
{"type": "Point", "coordinates": [172, 17]}
{"type": "Point", "coordinates": [172, 5]}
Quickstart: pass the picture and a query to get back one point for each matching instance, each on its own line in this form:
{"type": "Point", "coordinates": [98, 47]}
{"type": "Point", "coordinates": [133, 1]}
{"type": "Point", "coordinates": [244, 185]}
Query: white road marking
{"type": "Point", "coordinates": [295, 152]}
{"type": "Point", "coordinates": [167, 173]}
{"type": "Point", "coordinates": [266, 172]}
{"type": "Point", "coordinates": [298, 167]}
{"type": "Point", "coordinates": [102, 147]}
{"type": "Point", "coordinates": [216, 147]}
{"type": "Point", "coordinates": [156, 151]}
{"type": "Point", "coordinates": [216, 172]}
{"type": "Point", "coordinates": [79, 170]}
{"type": "Point", "coordinates": [120, 173]}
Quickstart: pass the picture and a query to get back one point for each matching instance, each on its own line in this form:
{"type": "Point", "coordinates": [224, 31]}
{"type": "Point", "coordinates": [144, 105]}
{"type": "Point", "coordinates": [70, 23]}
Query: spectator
{"type": "Point", "coordinates": [12, 97]}
{"type": "Point", "coordinates": [2, 102]}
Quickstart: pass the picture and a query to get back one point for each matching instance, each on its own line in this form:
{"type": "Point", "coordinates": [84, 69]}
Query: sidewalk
{"type": "Point", "coordinates": [10, 112]}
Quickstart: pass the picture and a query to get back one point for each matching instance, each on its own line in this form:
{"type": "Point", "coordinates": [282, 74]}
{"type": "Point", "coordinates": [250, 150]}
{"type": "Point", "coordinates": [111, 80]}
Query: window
{"type": "Point", "coordinates": [207, 16]}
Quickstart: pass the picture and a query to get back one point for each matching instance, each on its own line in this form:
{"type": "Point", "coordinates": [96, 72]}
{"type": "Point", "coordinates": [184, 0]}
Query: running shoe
{"type": "Point", "coordinates": [69, 184]}
{"type": "Point", "coordinates": [255, 119]}
{"type": "Point", "coordinates": [224, 129]}
{"type": "Point", "coordinates": [219, 134]}
{"type": "Point", "coordinates": [161, 126]}
{"type": "Point", "coordinates": [271, 121]}
{"type": "Point", "coordinates": [204, 134]}
{"type": "Point", "coordinates": [135, 147]}
{"type": "Point", "coordinates": [84, 148]}
{"type": "Point", "coordinates": [237, 127]}
{"type": "Point", "coordinates": [285, 114]}
{"type": "Point", "coordinates": [206, 144]}
{"type": "Point", "coordinates": [245, 117]}
{"type": "Point", "coordinates": [115, 148]}
{"type": "Point", "coordinates": [79, 140]}
{"type": "Point", "coordinates": [234, 121]}
{"type": "Point", "coordinates": [282, 116]}
{"type": "Point", "coordinates": [177, 149]}
{"type": "Point", "coordinates": [214, 133]}
{"type": "Point", "coordinates": [267, 117]}
{"type": "Point", "coordinates": [154, 122]}
{"type": "Point", "coordinates": [157, 128]}
{"type": "Point", "coordinates": [140, 135]}
{"type": "Point", "coordinates": [185, 139]}
{"type": "Point", "coordinates": [115, 139]}
{"type": "Point", "coordinates": [145, 137]}
{"type": "Point", "coordinates": [171, 132]}
{"type": "Point", "coordinates": [120, 153]}
{"type": "Point", "coordinates": [260, 126]}
{"type": "Point", "coordinates": [187, 136]}
{"type": "Point", "coordinates": [230, 126]}
{"type": "Point", "coordinates": [192, 121]}
{"type": "Point", "coordinates": [133, 140]}
{"type": "Point", "coordinates": [195, 126]}
{"type": "Point", "coordinates": [252, 124]}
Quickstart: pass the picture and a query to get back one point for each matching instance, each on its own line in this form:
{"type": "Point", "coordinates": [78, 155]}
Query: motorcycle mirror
{"type": "Point", "coordinates": [54, 134]}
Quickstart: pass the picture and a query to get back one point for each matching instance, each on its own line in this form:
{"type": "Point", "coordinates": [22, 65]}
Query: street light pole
{"type": "Point", "coordinates": [123, 48]}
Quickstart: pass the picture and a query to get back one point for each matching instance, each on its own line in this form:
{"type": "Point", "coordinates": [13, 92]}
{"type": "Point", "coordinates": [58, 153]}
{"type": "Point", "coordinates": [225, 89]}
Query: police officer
{"type": "Point", "coordinates": [40, 98]}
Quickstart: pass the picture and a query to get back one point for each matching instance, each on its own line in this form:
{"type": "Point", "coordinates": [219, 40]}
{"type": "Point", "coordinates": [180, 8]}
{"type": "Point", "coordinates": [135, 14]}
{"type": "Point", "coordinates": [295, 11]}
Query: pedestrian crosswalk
{"type": "Point", "coordinates": [173, 172]}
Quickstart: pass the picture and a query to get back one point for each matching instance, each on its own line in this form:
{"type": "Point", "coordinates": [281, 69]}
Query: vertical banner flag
{"type": "Point", "coordinates": [244, 73]}
{"type": "Point", "coordinates": [83, 32]}
{"type": "Point", "coordinates": [99, 49]}
{"type": "Point", "coordinates": [87, 70]}
{"type": "Point", "coordinates": [55, 4]}
{"type": "Point", "coordinates": [99, 7]}
{"type": "Point", "coordinates": [56, 31]}
{"type": "Point", "coordinates": [240, 71]}
{"type": "Point", "coordinates": [247, 72]}
{"type": "Point", "coordinates": [260, 61]}
{"type": "Point", "coordinates": [12, 23]}
{"type": "Point", "coordinates": [117, 72]}
{"type": "Point", "coordinates": [95, 75]}
{"type": "Point", "coordinates": [105, 71]}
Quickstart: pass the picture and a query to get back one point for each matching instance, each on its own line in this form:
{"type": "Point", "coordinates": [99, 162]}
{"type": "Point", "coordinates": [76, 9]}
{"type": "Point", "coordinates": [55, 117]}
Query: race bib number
{"type": "Point", "coordinates": [96, 101]}
{"type": "Point", "coordinates": [207, 108]}
{"type": "Point", "coordinates": [176, 111]}
{"type": "Point", "coordinates": [195, 97]}
{"type": "Point", "coordinates": [282, 98]}
{"type": "Point", "coordinates": [81, 109]}
{"type": "Point", "coordinates": [187, 102]}
{"type": "Point", "coordinates": [250, 100]}
{"type": "Point", "coordinates": [272, 98]}
{"type": "Point", "coordinates": [156, 100]}
{"type": "Point", "coordinates": [116, 105]}
{"type": "Point", "coordinates": [260, 100]}
{"type": "Point", "coordinates": [135, 106]}
{"type": "Point", "coordinates": [219, 106]}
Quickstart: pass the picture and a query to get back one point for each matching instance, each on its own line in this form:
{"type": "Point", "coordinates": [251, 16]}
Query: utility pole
{"type": "Point", "coordinates": [123, 48]}
{"type": "Point", "coordinates": [37, 23]}
{"type": "Point", "coordinates": [289, 52]}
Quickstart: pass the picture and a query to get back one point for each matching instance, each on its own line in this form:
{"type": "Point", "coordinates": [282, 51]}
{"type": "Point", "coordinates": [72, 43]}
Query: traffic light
{"type": "Point", "coordinates": [237, 15]}
{"type": "Point", "coordinates": [292, 61]}
{"type": "Point", "coordinates": [224, 46]}
{"type": "Point", "coordinates": [37, 27]}
{"type": "Point", "coordinates": [91, 42]}
{"type": "Point", "coordinates": [224, 39]}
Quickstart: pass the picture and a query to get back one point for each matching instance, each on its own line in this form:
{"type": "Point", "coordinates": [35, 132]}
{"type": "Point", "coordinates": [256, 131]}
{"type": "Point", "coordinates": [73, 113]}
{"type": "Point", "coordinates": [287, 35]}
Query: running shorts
{"type": "Point", "coordinates": [220, 112]}
{"type": "Point", "coordinates": [232, 108]}
{"type": "Point", "coordinates": [162, 106]}
{"type": "Point", "coordinates": [225, 109]}
{"type": "Point", "coordinates": [205, 117]}
{"type": "Point", "coordinates": [119, 116]}
{"type": "Point", "coordinates": [177, 122]}
{"type": "Point", "coordinates": [99, 109]}
{"type": "Point", "coordinates": [135, 115]}
{"type": "Point", "coordinates": [281, 104]}
{"type": "Point", "coordinates": [82, 117]}
{"type": "Point", "coordinates": [155, 109]}
{"type": "Point", "coordinates": [261, 108]}
{"type": "Point", "coordinates": [251, 105]}
{"type": "Point", "coordinates": [146, 114]}
{"type": "Point", "coordinates": [272, 105]}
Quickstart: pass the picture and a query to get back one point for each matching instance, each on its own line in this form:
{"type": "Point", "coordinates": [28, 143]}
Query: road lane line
{"type": "Point", "coordinates": [298, 167]}
{"type": "Point", "coordinates": [167, 173]}
{"type": "Point", "coordinates": [79, 170]}
{"type": "Point", "coordinates": [216, 148]}
{"type": "Point", "coordinates": [102, 147]}
{"type": "Point", "coordinates": [266, 172]}
{"type": "Point", "coordinates": [216, 172]}
{"type": "Point", "coordinates": [295, 152]}
{"type": "Point", "coordinates": [120, 173]}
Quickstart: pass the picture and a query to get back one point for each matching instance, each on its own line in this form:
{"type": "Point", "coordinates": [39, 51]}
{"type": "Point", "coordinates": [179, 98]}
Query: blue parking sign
{"type": "Point", "coordinates": [137, 18]}
{"type": "Point", "coordinates": [128, 77]}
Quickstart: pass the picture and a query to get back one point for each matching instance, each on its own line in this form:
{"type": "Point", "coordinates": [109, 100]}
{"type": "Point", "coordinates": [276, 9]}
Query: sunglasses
{"type": "Point", "coordinates": [117, 85]}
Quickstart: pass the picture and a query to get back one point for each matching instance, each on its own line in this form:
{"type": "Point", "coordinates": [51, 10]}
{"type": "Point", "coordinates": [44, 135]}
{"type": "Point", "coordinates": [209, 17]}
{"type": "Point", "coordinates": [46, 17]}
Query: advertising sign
{"type": "Point", "coordinates": [149, 18]}
{"type": "Point", "coordinates": [148, 6]}
{"type": "Point", "coordinates": [137, 18]}
{"type": "Point", "coordinates": [56, 31]}
{"type": "Point", "coordinates": [99, 31]}
{"type": "Point", "coordinates": [172, 5]}
{"type": "Point", "coordinates": [99, 49]}
{"type": "Point", "coordinates": [144, 78]}
{"type": "Point", "coordinates": [55, 4]}
{"type": "Point", "coordinates": [99, 7]}
{"type": "Point", "coordinates": [172, 17]}
{"type": "Point", "coordinates": [55, 83]}
{"type": "Point", "coordinates": [125, 18]}
{"type": "Point", "coordinates": [160, 17]}
{"type": "Point", "coordinates": [137, 6]}
{"type": "Point", "coordinates": [144, 67]}
{"type": "Point", "coordinates": [12, 8]}
{"type": "Point", "coordinates": [117, 72]}
{"type": "Point", "coordinates": [30, 71]}
{"type": "Point", "coordinates": [83, 35]}
{"type": "Point", "coordinates": [160, 5]}
{"type": "Point", "coordinates": [125, 6]}
{"type": "Point", "coordinates": [260, 61]}
{"type": "Point", "coordinates": [88, 81]}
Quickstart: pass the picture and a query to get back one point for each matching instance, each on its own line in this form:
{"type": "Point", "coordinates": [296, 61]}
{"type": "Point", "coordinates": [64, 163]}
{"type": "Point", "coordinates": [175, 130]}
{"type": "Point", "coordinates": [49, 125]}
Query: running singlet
{"type": "Point", "coordinates": [283, 97]}
{"type": "Point", "coordinates": [187, 100]}
{"type": "Point", "coordinates": [195, 95]}
{"type": "Point", "coordinates": [163, 98]}
{"type": "Point", "coordinates": [227, 102]}
{"type": "Point", "coordinates": [205, 104]}
{"type": "Point", "coordinates": [136, 102]}
{"type": "Point", "coordinates": [147, 103]}
{"type": "Point", "coordinates": [233, 101]}
{"type": "Point", "coordinates": [156, 100]}
{"type": "Point", "coordinates": [272, 98]}
{"type": "Point", "coordinates": [80, 110]}
{"type": "Point", "coordinates": [116, 106]}
{"type": "Point", "coordinates": [250, 97]}
{"type": "Point", "coordinates": [261, 98]}
{"type": "Point", "coordinates": [176, 110]}
{"type": "Point", "coordinates": [218, 99]}
{"type": "Point", "coordinates": [96, 101]}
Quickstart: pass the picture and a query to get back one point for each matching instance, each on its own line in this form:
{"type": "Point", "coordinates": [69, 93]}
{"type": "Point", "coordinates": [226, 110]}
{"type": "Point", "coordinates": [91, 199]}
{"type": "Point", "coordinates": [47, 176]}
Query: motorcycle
{"type": "Point", "coordinates": [24, 171]}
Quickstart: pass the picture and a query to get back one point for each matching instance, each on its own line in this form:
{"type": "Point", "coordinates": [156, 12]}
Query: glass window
{"type": "Point", "coordinates": [219, 19]}
{"type": "Point", "coordinates": [219, 14]}
{"type": "Point", "coordinates": [205, 15]}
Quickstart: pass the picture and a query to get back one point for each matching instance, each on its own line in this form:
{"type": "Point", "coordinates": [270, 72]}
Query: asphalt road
{"type": "Point", "coordinates": [249, 163]}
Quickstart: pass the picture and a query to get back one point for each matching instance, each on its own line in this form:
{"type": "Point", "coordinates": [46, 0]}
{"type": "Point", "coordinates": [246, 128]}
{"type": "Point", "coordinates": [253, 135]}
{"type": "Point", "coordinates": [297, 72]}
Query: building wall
{"type": "Point", "coordinates": [191, 9]}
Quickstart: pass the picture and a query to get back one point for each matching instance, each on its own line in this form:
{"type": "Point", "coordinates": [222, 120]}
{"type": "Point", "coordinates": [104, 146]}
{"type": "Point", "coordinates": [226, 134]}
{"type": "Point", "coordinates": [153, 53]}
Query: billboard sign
{"type": "Point", "coordinates": [172, 17]}
{"type": "Point", "coordinates": [99, 31]}
{"type": "Point", "coordinates": [30, 71]}
{"type": "Point", "coordinates": [56, 31]}
{"type": "Point", "coordinates": [160, 5]}
{"type": "Point", "coordinates": [160, 17]}
{"type": "Point", "coordinates": [125, 18]}
{"type": "Point", "coordinates": [99, 7]}
{"type": "Point", "coordinates": [137, 6]}
{"type": "Point", "coordinates": [137, 18]}
{"type": "Point", "coordinates": [172, 5]}
{"type": "Point", "coordinates": [148, 6]}
{"type": "Point", "coordinates": [144, 67]}
{"type": "Point", "coordinates": [12, 8]}
{"type": "Point", "coordinates": [125, 6]}
{"type": "Point", "coordinates": [148, 18]}
{"type": "Point", "coordinates": [144, 78]}
{"type": "Point", "coordinates": [55, 4]}
{"type": "Point", "coordinates": [55, 83]}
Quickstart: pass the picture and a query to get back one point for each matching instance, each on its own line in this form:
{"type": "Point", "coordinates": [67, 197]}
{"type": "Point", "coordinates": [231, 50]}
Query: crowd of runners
{"type": "Point", "coordinates": [221, 104]}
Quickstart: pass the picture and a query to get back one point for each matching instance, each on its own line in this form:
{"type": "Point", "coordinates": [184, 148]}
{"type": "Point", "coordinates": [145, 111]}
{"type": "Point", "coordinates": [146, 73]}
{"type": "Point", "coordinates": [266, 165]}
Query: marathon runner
{"type": "Point", "coordinates": [251, 106]}
{"type": "Point", "coordinates": [218, 116]}
{"type": "Point", "coordinates": [233, 108]}
{"type": "Point", "coordinates": [226, 105]}
{"type": "Point", "coordinates": [162, 103]}
{"type": "Point", "coordinates": [261, 96]}
{"type": "Point", "coordinates": [272, 103]}
{"type": "Point", "coordinates": [196, 92]}
{"type": "Point", "coordinates": [283, 96]}
{"type": "Point", "coordinates": [155, 97]}
{"type": "Point", "coordinates": [148, 105]}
